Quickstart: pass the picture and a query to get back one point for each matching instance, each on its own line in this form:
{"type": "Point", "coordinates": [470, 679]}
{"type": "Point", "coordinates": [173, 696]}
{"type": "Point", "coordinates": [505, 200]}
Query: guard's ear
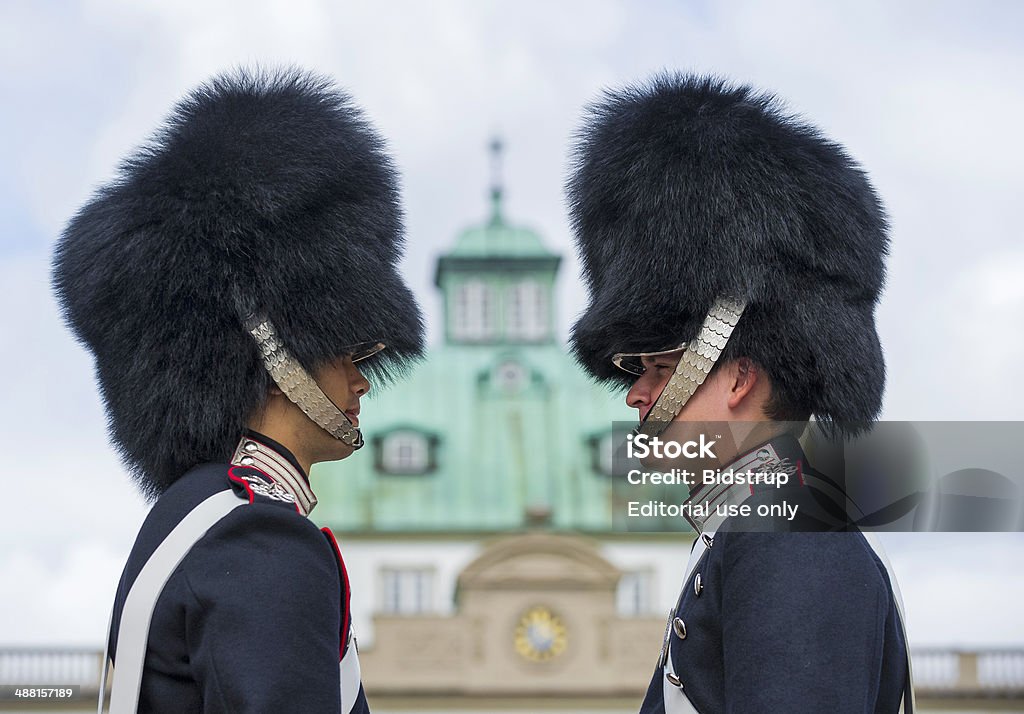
{"type": "Point", "coordinates": [743, 375]}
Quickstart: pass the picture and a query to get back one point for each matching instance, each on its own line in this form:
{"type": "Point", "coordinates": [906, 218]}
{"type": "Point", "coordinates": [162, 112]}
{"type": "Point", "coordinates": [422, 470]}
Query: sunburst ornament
{"type": "Point", "coordinates": [540, 635]}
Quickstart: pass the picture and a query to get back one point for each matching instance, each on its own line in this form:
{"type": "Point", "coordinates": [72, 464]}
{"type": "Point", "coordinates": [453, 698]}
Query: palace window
{"type": "Point", "coordinates": [602, 455]}
{"type": "Point", "coordinates": [407, 591]}
{"type": "Point", "coordinates": [473, 314]}
{"type": "Point", "coordinates": [633, 598]}
{"type": "Point", "coordinates": [527, 311]}
{"type": "Point", "coordinates": [405, 452]}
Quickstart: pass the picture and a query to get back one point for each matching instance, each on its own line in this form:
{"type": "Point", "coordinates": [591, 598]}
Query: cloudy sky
{"type": "Point", "coordinates": [927, 95]}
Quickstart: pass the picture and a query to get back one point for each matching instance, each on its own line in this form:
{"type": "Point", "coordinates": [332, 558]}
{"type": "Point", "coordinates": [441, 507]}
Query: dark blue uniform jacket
{"type": "Point", "coordinates": [255, 618]}
{"type": "Point", "coordinates": [787, 622]}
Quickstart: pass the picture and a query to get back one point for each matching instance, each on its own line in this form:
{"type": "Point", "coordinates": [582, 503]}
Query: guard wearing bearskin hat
{"type": "Point", "coordinates": [734, 257]}
{"type": "Point", "coordinates": [234, 283]}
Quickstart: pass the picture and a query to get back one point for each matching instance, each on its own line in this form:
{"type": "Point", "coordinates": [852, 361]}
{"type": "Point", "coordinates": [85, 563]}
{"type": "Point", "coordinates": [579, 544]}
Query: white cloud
{"type": "Point", "coordinates": [958, 588]}
{"type": "Point", "coordinates": [963, 342]}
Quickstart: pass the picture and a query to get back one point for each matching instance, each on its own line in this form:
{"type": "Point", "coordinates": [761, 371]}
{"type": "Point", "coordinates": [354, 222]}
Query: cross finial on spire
{"type": "Point", "coordinates": [496, 146]}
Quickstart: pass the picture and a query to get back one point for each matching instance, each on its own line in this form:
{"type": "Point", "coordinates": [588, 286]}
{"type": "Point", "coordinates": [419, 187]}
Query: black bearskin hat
{"type": "Point", "coordinates": [685, 189]}
{"type": "Point", "coordinates": [263, 190]}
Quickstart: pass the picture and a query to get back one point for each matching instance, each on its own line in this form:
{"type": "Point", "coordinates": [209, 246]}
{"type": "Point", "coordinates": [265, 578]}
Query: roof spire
{"type": "Point", "coordinates": [496, 147]}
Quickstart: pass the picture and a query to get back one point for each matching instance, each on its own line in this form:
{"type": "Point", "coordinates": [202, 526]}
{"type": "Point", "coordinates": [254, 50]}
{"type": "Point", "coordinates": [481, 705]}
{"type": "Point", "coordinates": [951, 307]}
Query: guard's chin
{"type": "Point", "coordinates": [331, 449]}
{"type": "Point", "coordinates": [341, 451]}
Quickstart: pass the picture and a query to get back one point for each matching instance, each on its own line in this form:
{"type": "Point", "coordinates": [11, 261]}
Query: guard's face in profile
{"type": "Point", "coordinates": [708, 404]}
{"type": "Point", "coordinates": [705, 414]}
{"type": "Point", "coordinates": [343, 383]}
{"type": "Point", "coordinates": [648, 387]}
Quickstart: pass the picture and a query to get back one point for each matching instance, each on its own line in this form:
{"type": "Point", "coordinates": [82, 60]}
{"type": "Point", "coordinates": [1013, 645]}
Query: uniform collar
{"type": "Point", "coordinates": [288, 482]}
{"type": "Point", "coordinates": [783, 453]}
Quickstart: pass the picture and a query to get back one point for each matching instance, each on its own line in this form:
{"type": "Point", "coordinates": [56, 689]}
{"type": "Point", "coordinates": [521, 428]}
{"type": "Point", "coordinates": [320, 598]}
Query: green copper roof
{"type": "Point", "coordinates": [496, 238]}
{"type": "Point", "coordinates": [500, 450]}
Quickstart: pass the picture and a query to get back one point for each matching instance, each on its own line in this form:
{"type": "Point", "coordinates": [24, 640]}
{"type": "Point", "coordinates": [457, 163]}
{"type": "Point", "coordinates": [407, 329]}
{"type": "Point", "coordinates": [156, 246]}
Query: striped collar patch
{"type": "Point", "coordinates": [764, 458]}
{"type": "Point", "coordinates": [283, 482]}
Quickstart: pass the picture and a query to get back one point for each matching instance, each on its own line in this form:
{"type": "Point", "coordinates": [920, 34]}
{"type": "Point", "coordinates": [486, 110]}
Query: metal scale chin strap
{"type": "Point", "coordinates": [693, 367]}
{"type": "Point", "coordinates": [298, 385]}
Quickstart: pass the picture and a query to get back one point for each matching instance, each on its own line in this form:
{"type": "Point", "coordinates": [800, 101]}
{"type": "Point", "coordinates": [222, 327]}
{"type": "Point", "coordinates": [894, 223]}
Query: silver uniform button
{"type": "Point", "coordinates": [250, 446]}
{"type": "Point", "coordinates": [247, 461]}
{"type": "Point", "coordinates": [679, 627]}
{"type": "Point", "coordinates": [698, 585]}
{"type": "Point", "coordinates": [673, 680]}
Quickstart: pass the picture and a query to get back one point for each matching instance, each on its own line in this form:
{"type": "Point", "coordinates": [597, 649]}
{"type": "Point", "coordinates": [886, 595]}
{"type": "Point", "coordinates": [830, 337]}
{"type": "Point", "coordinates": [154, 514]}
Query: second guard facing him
{"type": "Point", "coordinates": [231, 283]}
{"type": "Point", "coordinates": [734, 257]}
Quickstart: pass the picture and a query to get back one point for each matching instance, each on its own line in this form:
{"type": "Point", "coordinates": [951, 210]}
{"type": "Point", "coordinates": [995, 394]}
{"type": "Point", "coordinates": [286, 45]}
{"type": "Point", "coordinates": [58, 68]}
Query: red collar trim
{"type": "Point", "coordinates": [253, 453]}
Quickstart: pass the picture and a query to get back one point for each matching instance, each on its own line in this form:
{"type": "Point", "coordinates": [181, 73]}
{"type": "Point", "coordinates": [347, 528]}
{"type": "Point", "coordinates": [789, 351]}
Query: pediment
{"type": "Point", "coordinates": [539, 561]}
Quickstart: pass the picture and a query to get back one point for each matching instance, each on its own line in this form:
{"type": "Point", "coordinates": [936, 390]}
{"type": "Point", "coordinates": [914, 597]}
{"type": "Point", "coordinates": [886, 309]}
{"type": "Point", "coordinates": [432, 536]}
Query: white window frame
{"type": "Point", "coordinates": [633, 597]}
{"type": "Point", "coordinates": [473, 311]}
{"type": "Point", "coordinates": [405, 452]}
{"type": "Point", "coordinates": [407, 590]}
{"type": "Point", "coordinates": [526, 316]}
{"type": "Point", "coordinates": [605, 457]}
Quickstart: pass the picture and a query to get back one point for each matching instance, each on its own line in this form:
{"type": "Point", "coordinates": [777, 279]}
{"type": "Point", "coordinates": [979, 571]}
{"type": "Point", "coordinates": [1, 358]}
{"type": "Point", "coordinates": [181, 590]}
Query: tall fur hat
{"type": "Point", "coordinates": [687, 188]}
{"type": "Point", "coordinates": [263, 190]}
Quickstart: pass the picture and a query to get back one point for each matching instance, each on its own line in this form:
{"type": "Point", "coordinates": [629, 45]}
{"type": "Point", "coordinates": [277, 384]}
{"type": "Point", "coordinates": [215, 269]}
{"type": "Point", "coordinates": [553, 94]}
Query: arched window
{"type": "Point", "coordinates": [527, 311]}
{"type": "Point", "coordinates": [473, 314]}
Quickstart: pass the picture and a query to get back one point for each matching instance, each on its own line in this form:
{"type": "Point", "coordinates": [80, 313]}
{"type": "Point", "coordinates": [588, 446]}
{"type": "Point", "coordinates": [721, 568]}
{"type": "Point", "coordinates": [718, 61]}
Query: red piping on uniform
{"type": "Point", "coordinates": [239, 479]}
{"type": "Point", "coordinates": [800, 471]}
{"type": "Point", "coordinates": [346, 612]}
{"type": "Point", "coordinates": [269, 478]}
